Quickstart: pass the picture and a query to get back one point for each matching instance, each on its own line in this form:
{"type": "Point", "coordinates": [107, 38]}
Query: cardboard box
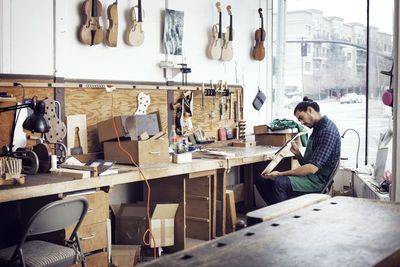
{"type": "Point", "coordinates": [272, 139]}
{"type": "Point", "coordinates": [106, 132]}
{"type": "Point", "coordinates": [125, 255]}
{"type": "Point", "coordinates": [129, 126]}
{"type": "Point", "coordinates": [131, 224]}
{"type": "Point", "coordinates": [142, 152]}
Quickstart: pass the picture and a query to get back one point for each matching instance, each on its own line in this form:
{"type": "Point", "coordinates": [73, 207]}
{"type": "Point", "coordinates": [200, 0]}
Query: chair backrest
{"type": "Point", "coordinates": [330, 178]}
{"type": "Point", "coordinates": [58, 215]}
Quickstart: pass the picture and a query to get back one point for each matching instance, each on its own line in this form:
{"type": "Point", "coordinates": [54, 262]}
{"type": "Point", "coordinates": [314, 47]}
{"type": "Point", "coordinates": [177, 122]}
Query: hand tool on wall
{"type": "Point", "coordinates": [77, 149]}
{"type": "Point", "coordinates": [202, 95]}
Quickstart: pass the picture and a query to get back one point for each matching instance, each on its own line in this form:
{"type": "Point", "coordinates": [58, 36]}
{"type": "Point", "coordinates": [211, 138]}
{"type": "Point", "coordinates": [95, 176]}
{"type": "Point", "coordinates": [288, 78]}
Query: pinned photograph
{"type": "Point", "coordinates": [173, 32]}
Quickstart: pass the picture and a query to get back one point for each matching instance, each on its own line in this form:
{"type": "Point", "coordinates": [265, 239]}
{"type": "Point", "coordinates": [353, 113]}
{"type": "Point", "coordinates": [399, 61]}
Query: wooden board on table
{"type": "Point", "coordinates": [73, 122]}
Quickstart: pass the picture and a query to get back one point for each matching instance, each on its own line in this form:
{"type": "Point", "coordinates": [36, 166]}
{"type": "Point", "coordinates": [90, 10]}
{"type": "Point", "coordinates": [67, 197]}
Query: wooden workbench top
{"type": "Point", "coordinates": [48, 184]}
{"type": "Point", "coordinates": [342, 231]}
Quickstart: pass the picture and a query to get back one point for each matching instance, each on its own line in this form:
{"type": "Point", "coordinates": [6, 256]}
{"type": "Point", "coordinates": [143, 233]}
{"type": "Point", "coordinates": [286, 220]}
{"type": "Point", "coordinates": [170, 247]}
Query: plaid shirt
{"type": "Point", "coordinates": [326, 144]}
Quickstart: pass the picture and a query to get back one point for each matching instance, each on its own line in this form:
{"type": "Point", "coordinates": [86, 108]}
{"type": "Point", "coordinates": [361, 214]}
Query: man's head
{"type": "Point", "coordinates": [307, 112]}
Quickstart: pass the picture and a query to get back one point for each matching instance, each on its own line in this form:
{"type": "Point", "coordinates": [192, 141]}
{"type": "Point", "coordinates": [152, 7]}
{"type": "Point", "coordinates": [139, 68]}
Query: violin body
{"type": "Point", "coordinates": [259, 49]}
{"type": "Point", "coordinates": [135, 34]}
{"type": "Point", "coordinates": [91, 32]}
{"type": "Point", "coordinates": [227, 48]}
{"type": "Point", "coordinates": [215, 47]}
{"type": "Point", "coordinates": [112, 31]}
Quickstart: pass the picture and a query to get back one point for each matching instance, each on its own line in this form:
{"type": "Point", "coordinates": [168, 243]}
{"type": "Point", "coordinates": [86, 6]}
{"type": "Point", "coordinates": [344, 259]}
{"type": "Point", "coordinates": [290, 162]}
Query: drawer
{"type": "Point", "coordinates": [98, 207]}
{"type": "Point", "coordinates": [93, 236]}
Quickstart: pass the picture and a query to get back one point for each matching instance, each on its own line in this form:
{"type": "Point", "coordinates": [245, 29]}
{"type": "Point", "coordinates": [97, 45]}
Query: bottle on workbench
{"type": "Point", "coordinates": [173, 140]}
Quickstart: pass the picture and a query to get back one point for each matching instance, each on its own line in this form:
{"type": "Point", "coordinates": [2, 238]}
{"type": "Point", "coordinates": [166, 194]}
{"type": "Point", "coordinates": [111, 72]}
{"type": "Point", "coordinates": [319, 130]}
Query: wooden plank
{"type": "Point", "coordinates": [283, 208]}
{"type": "Point", "coordinates": [76, 129]}
{"type": "Point", "coordinates": [248, 186]}
{"type": "Point", "coordinates": [324, 234]}
{"type": "Point", "coordinates": [221, 189]}
{"type": "Point", "coordinates": [230, 212]}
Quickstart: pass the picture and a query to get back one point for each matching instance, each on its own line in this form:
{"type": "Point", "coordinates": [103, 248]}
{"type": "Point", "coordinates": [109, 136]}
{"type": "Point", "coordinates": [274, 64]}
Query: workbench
{"type": "Point", "coordinates": [340, 231]}
{"type": "Point", "coordinates": [168, 181]}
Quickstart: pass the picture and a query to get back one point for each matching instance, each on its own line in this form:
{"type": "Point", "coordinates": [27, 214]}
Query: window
{"type": "Point", "coordinates": [338, 69]}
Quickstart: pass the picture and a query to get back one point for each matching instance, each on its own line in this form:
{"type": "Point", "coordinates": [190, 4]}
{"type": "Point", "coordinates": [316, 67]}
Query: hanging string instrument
{"type": "Point", "coordinates": [135, 34]}
{"type": "Point", "coordinates": [215, 47]}
{"type": "Point", "coordinates": [227, 49]}
{"type": "Point", "coordinates": [259, 49]}
{"type": "Point", "coordinates": [91, 32]}
{"type": "Point", "coordinates": [112, 31]}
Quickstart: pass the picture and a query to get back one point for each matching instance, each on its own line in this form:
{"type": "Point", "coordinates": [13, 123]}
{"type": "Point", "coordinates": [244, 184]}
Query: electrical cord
{"type": "Point", "coordinates": [148, 231]}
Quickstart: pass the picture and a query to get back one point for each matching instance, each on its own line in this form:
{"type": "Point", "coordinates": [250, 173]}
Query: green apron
{"type": "Point", "coordinates": [312, 182]}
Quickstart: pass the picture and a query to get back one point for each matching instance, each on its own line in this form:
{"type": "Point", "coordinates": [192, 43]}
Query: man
{"type": "Point", "coordinates": [322, 153]}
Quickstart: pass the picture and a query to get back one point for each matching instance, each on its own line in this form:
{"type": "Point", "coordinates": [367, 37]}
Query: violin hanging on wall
{"type": "Point", "coordinates": [134, 34]}
{"type": "Point", "coordinates": [215, 47]}
{"type": "Point", "coordinates": [259, 49]}
{"type": "Point", "coordinates": [91, 32]}
{"type": "Point", "coordinates": [227, 49]}
{"type": "Point", "coordinates": [112, 31]}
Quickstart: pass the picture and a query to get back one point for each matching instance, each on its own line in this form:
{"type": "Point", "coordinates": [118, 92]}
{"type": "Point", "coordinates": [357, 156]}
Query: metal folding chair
{"type": "Point", "coordinates": [329, 183]}
{"type": "Point", "coordinates": [52, 217]}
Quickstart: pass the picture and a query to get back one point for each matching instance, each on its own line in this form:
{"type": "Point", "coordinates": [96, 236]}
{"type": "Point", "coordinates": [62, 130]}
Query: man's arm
{"type": "Point", "coordinates": [304, 170]}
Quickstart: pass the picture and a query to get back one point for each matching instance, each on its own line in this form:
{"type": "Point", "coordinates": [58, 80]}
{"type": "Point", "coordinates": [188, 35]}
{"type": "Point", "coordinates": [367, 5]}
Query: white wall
{"type": "Point", "coordinates": [41, 37]}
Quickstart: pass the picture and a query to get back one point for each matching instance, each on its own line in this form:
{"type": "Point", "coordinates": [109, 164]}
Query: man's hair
{"type": "Point", "coordinates": [307, 102]}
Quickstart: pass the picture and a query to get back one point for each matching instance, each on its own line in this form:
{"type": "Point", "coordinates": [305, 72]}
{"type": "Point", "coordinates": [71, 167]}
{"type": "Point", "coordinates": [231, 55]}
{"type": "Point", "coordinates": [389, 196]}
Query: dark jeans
{"type": "Point", "coordinates": [277, 189]}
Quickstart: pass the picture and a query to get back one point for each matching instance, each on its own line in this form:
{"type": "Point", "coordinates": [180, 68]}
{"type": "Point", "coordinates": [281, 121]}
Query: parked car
{"type": "Point", "coordinates": [349, 98]}
{"type": "Point", "coordinates": [361, 98]}
{"type": "Point", "coordinates": [291, 102]}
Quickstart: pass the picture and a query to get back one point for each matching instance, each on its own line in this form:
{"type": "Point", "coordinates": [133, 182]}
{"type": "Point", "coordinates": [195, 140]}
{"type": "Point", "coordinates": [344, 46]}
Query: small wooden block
{"type": "Point", "coordinates": [244, 144]}
{"type": "Point", "coordinates": [20, 180]}
{"type": "Point", "coordinates": [144, 136]}
{"type": "Point", "coordinates": [156, 136]}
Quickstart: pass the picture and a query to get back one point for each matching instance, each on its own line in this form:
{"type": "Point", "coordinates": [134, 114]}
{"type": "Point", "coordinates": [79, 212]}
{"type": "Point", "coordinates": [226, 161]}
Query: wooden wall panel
{"type": "Point", "coordinates": [96, 104]}
{"type": "Point", "coordinates": [201, 115]}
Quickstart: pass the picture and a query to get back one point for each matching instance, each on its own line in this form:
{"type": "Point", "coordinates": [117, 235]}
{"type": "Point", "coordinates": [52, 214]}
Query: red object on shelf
{"type": "Point", "coordinates": [222, 134]}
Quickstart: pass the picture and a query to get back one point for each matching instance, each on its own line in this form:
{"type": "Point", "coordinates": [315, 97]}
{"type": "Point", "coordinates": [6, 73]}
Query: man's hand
{"type": "Point", "coordinates": [294, 149]}
{"type": "Point", "coordinates": [270, 175]}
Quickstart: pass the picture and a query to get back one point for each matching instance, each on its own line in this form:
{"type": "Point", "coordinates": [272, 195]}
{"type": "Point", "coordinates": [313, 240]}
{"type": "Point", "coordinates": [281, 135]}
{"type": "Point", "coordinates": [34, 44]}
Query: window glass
{"type": "Point", "coordinates": [320, 52]}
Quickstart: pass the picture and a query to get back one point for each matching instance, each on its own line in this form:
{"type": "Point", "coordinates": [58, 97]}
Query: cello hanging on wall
{"type": "Point", "coordinates": [134, 34]}
{"type": "Point", "coordinates": [112, 31]}
{"type": "Point", "coordinates": [91, 32]}
{"type": "Point", "coordinates": [259, 49]}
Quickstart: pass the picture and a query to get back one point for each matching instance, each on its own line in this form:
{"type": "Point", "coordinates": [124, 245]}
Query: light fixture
{"type": "Point", "coordinates": [36, 123]}
{"type": "Point", "coordinates": [358, 147]}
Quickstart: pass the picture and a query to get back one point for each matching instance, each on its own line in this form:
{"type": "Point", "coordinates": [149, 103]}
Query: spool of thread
{"type": "Point", "coordinates": [53, 162]}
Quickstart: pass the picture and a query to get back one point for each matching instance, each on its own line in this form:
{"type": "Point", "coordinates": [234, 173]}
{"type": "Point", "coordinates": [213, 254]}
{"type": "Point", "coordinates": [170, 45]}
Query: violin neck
{"type": "Point", "coordinates": [230, 29]}
{"type": "Point", "coordinates": [262, 28]}
{"type": "Point", "coordinates": [94, 8]}
{"type": "Point", "coordinates": [139, 10]}
{"type": "Point", "coordinates": [220, 26]}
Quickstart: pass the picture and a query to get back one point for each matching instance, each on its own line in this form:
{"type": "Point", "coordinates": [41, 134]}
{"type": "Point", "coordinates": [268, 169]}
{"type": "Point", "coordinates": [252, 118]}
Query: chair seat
{"type": "Point", "coordinates": [41, 253]}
